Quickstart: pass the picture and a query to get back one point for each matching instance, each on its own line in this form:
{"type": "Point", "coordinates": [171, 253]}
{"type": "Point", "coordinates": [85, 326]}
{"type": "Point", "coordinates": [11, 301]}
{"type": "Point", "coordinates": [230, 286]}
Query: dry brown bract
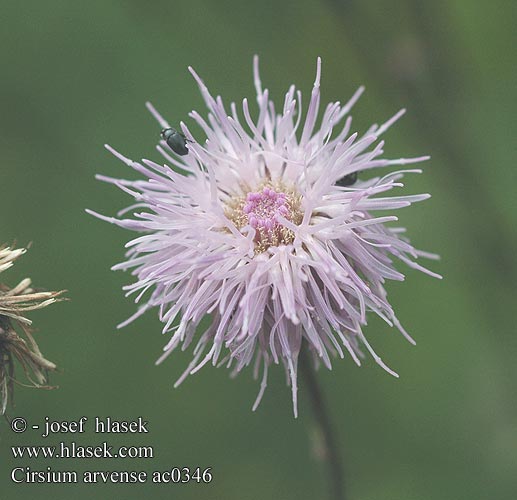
{"type": "Point", "coordinates": [14, 303]}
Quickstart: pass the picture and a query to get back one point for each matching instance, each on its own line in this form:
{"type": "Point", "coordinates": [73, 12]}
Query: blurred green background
{"type": "Point", "coordinates": [76, 75]}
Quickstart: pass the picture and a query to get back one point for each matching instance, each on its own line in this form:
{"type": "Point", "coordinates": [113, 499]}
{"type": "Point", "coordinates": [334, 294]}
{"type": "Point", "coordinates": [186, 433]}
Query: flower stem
{"type": "Point", "coordinates": [329, 446]}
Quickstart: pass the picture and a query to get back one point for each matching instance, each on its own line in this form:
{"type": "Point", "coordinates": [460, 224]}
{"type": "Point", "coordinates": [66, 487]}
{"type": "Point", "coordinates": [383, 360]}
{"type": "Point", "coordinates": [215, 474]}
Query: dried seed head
{"type": "Point", "coordinates": [14, 303]}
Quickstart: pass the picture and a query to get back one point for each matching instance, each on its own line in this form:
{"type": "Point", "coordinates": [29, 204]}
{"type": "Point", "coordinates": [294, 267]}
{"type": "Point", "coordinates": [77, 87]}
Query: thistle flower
{"type": "Point", "coordinates": [14, 303]}
{"type": "Point", "coordinates": [268, 228]}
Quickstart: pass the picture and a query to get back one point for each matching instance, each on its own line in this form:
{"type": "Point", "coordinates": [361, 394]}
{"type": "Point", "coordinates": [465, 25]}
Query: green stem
{"type": "Point", "coordinates": [330, 454]}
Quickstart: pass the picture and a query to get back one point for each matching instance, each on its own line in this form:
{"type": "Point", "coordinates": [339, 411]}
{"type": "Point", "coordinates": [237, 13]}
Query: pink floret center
{"type": "Point", "coordinates": [263, 209]}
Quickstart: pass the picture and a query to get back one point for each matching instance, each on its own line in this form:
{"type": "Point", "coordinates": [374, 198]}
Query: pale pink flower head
{"type": "Point", "coordinates": [272, 228]}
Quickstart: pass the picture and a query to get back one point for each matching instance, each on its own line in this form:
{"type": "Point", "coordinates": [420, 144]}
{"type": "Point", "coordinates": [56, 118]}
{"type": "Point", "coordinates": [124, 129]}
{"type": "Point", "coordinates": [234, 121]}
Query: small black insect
{"type": "Point", "coordinates": [347, 180]}
{"type": "Point", "coordinates": [175, 140]}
